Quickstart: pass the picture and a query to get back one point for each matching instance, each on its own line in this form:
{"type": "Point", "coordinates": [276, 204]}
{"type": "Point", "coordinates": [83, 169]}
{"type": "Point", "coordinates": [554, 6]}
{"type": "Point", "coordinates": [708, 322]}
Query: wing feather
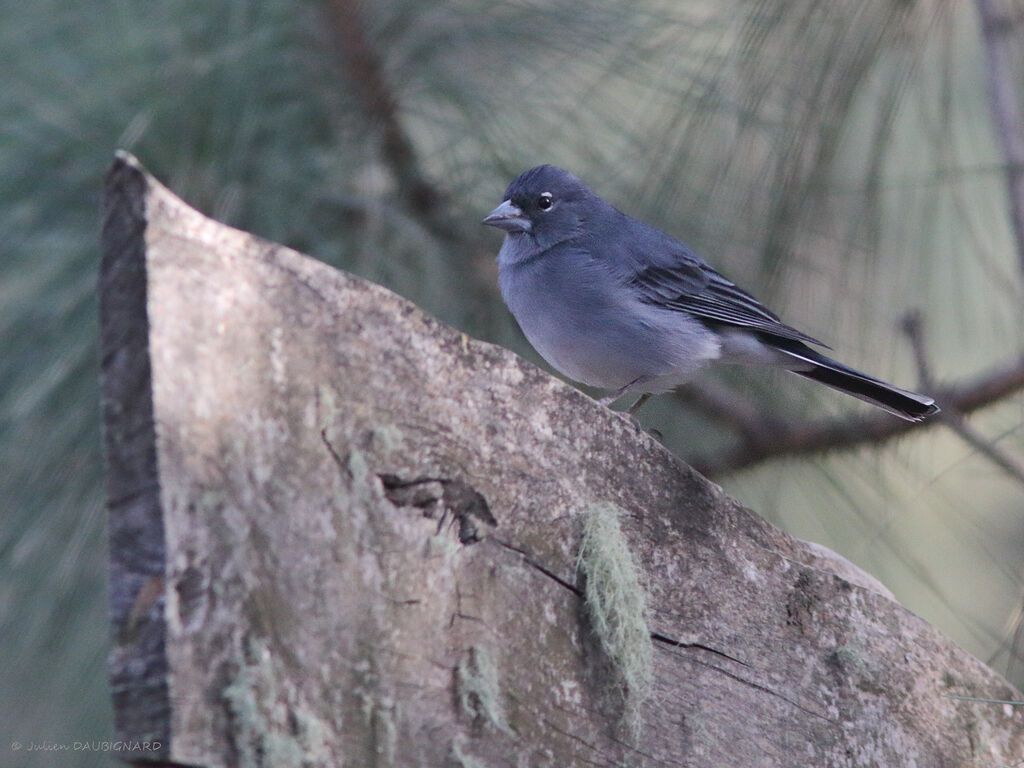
{"type": "Point", "coordinates": [682, 281]}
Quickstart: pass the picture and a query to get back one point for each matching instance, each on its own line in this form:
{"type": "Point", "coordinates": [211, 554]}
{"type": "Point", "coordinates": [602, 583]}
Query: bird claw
{"type": "Point", "coordinates": [640, 428]}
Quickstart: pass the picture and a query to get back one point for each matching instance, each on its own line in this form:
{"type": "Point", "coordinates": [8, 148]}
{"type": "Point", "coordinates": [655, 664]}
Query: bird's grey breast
{"type": "Point", "coordinates": [585, 321]}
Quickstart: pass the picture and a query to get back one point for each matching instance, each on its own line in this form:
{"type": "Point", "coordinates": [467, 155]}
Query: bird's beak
{"type": "Point", "coordinates": [508, 216]}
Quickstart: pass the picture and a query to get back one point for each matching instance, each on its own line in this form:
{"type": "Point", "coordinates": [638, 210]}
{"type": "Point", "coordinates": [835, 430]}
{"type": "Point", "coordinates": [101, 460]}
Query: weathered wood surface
{"type": "Point", "coordinates": [283, 441]}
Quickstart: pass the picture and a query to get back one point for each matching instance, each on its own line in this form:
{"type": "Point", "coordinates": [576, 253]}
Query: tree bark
{"type": "Point", "coordinates": [344, 534]}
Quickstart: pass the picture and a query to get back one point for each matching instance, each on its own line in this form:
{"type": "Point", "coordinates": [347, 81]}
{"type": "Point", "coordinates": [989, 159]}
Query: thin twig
{"type": "Point", "coordinates": [983, 445]}
{"type": "Point", "coordinates": [998, 33]}
{"type": "Point", "coordinates": [950, 415]}
{"type": "Point", "coordinates": [912, 326]}
{"type": "Point", "coordinates": [792, 439]}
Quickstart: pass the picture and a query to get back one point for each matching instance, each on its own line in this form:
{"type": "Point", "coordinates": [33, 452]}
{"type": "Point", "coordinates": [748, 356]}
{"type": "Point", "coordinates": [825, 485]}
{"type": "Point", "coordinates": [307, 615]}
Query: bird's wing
{"type": "Point", "coordinates": [670, 275]}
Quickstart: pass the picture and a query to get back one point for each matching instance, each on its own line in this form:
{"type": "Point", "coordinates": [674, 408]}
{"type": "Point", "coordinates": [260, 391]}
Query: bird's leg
{"type": "Point", "coordinates": [606, 401]}
{"type": "Point", "coordinates": [609, 399]}
{"type": "Point", "coordinates": [639, 403]}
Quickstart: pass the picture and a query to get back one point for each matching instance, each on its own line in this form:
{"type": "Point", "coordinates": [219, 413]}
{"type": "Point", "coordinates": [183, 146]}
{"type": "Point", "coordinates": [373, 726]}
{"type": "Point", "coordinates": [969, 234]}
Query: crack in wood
{"type": "Point", "coordinates": [441, 499]}
{"type": "Point", "coordinates": [666, 640]}
{"type": "Point", "coordinates": [765, 689]}
{"type": "Point", "coordinates": [334, 454]}
{"type": "Point", "coordinates": [550, 574]}
{"type": "Point", "coordinates": [699, 646]}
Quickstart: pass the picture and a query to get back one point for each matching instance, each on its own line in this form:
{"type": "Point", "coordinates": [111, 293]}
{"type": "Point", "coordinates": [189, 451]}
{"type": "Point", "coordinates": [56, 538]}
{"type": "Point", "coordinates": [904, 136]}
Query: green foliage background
{"type": "Point", "coordinates": [835, 158]}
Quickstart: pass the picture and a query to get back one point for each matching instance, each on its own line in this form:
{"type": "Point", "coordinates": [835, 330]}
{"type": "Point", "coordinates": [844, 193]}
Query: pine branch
{"type": "Point", "coordinates": [421, 197]}
{"type": "Point", "coordinates": [999, 30]}
{"type": "Point", "coordinates": [913, 327]}
{"type": "Point", "coordinates": [791, 439]}
{"type": "Point", "coordinates": [419, 194]}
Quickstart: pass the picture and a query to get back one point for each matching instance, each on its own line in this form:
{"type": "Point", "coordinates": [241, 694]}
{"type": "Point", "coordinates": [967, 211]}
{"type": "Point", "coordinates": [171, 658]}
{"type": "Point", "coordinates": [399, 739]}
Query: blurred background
{"type": "Point", "coordinates": [838, 159]}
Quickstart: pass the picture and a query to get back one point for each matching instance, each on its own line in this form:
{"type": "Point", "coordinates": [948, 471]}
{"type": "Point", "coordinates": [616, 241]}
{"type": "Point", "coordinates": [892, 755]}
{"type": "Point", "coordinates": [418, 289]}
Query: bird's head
{"type": "Point", "coordinates": [545, 203]}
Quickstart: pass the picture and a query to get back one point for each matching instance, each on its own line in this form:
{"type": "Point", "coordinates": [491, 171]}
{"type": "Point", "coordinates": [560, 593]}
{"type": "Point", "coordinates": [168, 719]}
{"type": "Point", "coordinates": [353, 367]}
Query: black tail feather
{"type": "Point", "coordinates": [899, 402]}
{"type": "Point", "coordinates": [907, 405]}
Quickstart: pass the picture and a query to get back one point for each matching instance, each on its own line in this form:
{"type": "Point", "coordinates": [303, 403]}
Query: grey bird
{"type": "Point", "coordinates": [615, 303]}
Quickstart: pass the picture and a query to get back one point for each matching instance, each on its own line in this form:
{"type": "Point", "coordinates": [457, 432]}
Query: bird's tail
{"type": "Point", "coordinates": [899, 402]}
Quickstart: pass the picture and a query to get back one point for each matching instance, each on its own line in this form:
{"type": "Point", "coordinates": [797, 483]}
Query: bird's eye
{"type": "Point", "coordinates": [544, 201]}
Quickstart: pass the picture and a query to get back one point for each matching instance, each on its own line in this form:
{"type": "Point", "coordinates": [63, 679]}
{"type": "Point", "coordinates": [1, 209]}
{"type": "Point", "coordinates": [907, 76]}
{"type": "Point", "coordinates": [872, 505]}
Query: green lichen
{"type": "Point", "coordinates": [617, 605]}
{"type": "Point", "coordinates": [848, 657]}
{"type": "Point", "coordinates": [271, 727]}
{"type": "Point", "coordinates": [479, 689]}
{"type": "Point", "coordinates": [384, 733]}
{"type": "Point", "coordinates": [461, 759]}
{"type": "Point", "coordinates": [387, 439]}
